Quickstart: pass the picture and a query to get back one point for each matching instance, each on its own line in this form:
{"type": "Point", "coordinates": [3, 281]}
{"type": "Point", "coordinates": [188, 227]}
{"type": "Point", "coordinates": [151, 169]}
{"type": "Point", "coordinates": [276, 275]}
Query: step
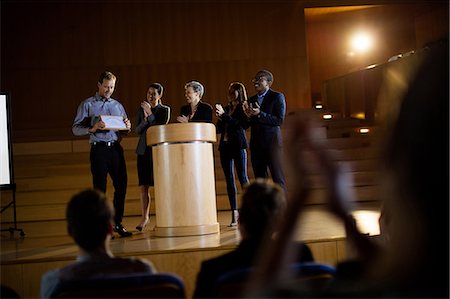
{"type": "Point", "coordinates": [56, 209]}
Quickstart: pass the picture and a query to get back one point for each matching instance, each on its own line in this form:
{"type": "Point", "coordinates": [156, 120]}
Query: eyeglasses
{"type": "Point", "coordinates": [259, 79]}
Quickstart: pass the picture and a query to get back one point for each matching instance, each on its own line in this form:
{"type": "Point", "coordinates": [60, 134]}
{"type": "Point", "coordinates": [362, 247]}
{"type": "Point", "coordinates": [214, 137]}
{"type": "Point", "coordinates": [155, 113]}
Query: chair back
{"type": "Point", "coordinates": [159, 285]}
{"type": "Point", "coordinates": [310, 276]}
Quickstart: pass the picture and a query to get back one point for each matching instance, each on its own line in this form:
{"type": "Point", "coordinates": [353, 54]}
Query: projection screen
{"type": "Point", "coordinates": [6, 173]}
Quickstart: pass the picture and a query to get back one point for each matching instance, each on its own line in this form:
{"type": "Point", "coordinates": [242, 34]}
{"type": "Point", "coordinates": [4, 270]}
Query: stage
{"type": "Point", "coordinates": [47, 246]}
{"type": "Point", "coordinates": [48, 173]}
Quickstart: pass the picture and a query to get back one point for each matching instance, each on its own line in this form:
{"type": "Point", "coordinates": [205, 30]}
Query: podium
{"type": "Point", "coordinates": [185, 193]}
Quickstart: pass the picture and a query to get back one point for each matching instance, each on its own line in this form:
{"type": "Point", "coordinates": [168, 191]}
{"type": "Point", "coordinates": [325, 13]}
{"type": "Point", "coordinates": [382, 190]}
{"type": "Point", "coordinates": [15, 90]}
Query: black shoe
{"type": "Point", "coordinates": [118, 228]}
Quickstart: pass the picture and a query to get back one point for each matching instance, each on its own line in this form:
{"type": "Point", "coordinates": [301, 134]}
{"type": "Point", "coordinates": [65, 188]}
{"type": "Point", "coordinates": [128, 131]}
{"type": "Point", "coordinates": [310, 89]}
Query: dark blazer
{"type": "Point", "coordinates": [204, 112]}
{"type": "Point", "coordinates": [233, 127]}
{"type": "Point", "coordinates": [242, 257]}
{"type": "Point", "coordinates": [160, 116]}
{"type": "Point", "coordinates": [266, 127]}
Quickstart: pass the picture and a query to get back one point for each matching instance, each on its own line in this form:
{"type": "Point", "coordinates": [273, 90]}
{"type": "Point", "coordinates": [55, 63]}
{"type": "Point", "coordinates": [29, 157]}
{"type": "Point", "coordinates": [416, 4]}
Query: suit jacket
{"type": "Point", "coordinates": [233, 128]}
{"type": "Point", "coordinates": [242, 257]}
{"type": "Point", "coordinates": [204, 112]}
{"type": "Point", "coordinates": [160, 116]}
{"type": "Point", "coordinates": [266, 127]}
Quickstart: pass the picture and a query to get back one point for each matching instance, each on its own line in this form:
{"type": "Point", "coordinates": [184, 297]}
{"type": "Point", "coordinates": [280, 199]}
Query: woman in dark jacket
{"type": "Point", "coordinates": [233, 145]}
{"type": "Point", "coordinates": [195, 110]}
{"type": "Point", "coordinates": [151, 113]}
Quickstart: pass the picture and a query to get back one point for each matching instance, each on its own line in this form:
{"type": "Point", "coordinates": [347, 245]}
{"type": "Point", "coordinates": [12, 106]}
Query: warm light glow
{"type": "Point", "coordinates": [364, 130]}
{"type": "Point", "coordinates": [359, 115]}
{"type": "Point", "coordinates": [361, 42]}
{"type": "Point", "coordinates": [367, 221]}
{"type": "Point", "coordinates": [318, 106]}
{"type": "Point", "coordinates": [327, 116]}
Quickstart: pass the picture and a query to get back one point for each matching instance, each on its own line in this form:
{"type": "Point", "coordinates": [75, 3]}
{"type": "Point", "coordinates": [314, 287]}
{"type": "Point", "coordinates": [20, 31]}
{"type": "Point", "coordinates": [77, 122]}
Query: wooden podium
{"type": "Point", "coordinates": [185, 193]}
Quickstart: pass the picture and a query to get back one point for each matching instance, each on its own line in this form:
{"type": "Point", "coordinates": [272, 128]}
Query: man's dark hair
{"type": "Point", "coordinates": [265, 73]}
{"type": "Point", "coordinates": [89, 218]}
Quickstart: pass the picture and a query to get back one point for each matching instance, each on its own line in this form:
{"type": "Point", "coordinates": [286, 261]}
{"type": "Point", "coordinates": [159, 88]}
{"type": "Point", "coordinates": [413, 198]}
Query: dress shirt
{"type": "Point", "coordinates": [87, 115]}
{"type": "Point", "coordinates": [261, 97]}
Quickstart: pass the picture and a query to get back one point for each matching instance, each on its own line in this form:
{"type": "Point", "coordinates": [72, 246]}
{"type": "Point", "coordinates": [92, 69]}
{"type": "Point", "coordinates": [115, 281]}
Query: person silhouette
{"type": "Point", "coordinates": [89, 222]}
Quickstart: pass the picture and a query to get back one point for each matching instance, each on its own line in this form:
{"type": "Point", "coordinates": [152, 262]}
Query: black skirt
{"type": "Point", "coordinates": [145, 168]}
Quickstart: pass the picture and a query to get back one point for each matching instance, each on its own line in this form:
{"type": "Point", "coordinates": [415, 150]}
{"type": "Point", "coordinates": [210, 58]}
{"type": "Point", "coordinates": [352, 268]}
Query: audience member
{"type": "Point", "coordinates": [414, 261]}
{"type": "Point", "coordinates": [89, 222]}
{"type": "Point", "coordinates": [152, 113]}
{"type": "Point", "coordinates": [266, 111]}
{"type": "Point", "coordinates": [195, 110]}
{"type": "Point", "coordinates": [8, 292]}
{"type": "Point", "coordinates": [106, 154]}
{"type": "Point", "coordinates": [233, 145]}
{"type": "Point", "coordinates": [262, 204]}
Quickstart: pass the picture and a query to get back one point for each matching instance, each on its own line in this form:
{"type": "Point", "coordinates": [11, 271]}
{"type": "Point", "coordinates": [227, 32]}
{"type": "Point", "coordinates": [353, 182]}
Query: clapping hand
{"type": "Point", "coordinates": [246, 108]}
{"type": "Point", "coordinates": [147, 108]}
{"type": "Point", "coordinates": [219, 110]}
{"type": "Point", "coordinates": [183, 119]}
{"type": "Point", "coordinates": [251, 109]}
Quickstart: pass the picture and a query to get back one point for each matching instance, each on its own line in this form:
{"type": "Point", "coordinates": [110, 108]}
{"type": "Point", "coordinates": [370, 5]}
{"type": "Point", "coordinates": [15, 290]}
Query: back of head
{"type": "Point", "coordinates": [89, 218]}
{"type": "Point", "coordinates": [262, 203]}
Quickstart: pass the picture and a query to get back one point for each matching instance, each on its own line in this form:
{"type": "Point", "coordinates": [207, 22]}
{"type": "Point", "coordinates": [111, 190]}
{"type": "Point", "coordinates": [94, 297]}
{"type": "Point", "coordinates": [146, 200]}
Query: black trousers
{"type": "Point", "coordinates": [110, 159]}
{"type": "Point", "coordinates": [264, 159]}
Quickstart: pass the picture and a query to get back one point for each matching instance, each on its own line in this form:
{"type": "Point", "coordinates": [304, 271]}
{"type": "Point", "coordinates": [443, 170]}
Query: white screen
{"type": "Point", "coordinates": [5, 178]}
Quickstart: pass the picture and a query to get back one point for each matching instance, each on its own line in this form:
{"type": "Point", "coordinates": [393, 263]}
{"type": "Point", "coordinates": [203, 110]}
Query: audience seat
{"type": "Point", "coordinates": [310, 276]}
{"type": "Point", "coordinates": [160, 285]}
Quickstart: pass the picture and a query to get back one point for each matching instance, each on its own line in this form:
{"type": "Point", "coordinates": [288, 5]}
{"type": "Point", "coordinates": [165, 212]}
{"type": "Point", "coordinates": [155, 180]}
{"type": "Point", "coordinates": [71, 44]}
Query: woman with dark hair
{"type": "Point", "coordinates": [152, 112]}
{"type": "Point", "coordinates": [233, 145]}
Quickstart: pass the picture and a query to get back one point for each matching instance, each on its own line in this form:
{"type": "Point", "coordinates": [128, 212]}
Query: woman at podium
{"type": "Point", "coordinates": [195, 110]}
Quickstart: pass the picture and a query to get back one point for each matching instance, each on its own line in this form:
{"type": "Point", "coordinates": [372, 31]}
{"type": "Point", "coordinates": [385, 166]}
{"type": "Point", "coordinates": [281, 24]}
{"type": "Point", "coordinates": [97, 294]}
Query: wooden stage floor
{"type": "Point", "coordinates": [46, 245]}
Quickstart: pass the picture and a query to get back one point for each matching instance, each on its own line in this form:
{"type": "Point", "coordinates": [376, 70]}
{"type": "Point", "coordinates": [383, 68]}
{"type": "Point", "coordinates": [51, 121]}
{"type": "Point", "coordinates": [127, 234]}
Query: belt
{"type": "Point", "coordinates": [103, 143]}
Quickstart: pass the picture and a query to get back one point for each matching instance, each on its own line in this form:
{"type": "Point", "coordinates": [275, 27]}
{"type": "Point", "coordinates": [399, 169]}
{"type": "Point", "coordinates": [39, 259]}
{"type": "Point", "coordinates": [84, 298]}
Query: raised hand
{"type": "Point", "coordinates": [183, 119]}
{"type": "Point", "coordinates": [147, 108]}
{"type": "Point", "coordinates": [219, 110]}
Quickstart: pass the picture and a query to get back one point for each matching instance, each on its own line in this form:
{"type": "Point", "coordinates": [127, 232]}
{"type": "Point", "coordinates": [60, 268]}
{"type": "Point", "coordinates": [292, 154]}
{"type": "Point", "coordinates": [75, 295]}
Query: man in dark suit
{"type": "Point", "coordinates": [266, 111]}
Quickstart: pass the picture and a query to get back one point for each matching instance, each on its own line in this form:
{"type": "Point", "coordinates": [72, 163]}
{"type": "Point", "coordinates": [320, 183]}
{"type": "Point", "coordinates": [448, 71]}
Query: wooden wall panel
{"type": "Point", "coordinates": [12, 276]}
{"type": "Point", "coordinates": [52, 52]}
{"type": "Point", "coordinates": [51, 62]}
{"type": "Point", "coordinates": [432, 25]}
